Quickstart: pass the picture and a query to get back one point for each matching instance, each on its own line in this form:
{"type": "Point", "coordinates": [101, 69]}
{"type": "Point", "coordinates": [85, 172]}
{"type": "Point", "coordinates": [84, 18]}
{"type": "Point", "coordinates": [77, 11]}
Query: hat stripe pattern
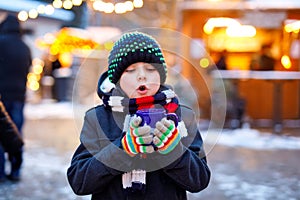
{"type": "Point", "coordinates": [135, 47]}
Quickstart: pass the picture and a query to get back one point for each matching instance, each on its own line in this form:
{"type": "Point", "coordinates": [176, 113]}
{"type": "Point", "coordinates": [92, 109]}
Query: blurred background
{"type": "Point", "coordinates": [66, 35]}
{"type": "Point", "coordinates": [237, 56]}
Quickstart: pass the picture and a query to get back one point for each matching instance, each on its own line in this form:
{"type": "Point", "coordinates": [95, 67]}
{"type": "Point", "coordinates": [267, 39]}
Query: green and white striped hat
{"type": "Point", "coordinates": [135, 47]}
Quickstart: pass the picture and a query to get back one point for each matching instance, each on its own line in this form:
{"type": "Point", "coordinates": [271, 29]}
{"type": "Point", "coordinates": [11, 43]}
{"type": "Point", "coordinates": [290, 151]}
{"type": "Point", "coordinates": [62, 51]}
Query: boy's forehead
{"type": "Point", "coordinates": [140, 64]}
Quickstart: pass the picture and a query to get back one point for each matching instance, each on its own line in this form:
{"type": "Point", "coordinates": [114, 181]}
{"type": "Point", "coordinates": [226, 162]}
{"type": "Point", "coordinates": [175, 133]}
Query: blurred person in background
{"type": "Point", "coordinates": [221, 63]}
{"type": "Point", "coordinates": [235, 103]}
{"type": "Point", "coordinates": [264, 61]}
{"type": "Point", "coordinates": [10, 141]}
{"type": "Point", "coordinates": [15, 61]}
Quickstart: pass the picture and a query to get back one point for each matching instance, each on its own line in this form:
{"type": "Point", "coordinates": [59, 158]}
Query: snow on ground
{"type": "Point", "coordinates": [49, 110]}
{"type": "Point", "coordinates": [248, 138]}
{"type": "Point", "coordinates": [251, 138]}
{"type": "Point", "coordinates": [43, 173]}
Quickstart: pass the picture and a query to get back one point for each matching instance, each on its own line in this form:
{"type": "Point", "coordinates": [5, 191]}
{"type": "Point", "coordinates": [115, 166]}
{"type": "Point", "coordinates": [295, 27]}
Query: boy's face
{"type": "Point", "coordinates": [139, 80]}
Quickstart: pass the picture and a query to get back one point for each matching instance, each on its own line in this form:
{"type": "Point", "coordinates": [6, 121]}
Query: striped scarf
{"type": "Point", "coordinates": [166, 98]}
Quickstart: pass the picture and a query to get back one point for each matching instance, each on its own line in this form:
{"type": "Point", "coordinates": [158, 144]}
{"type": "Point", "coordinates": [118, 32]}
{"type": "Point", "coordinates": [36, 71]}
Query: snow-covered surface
{"type": "Point", "coordinates": [251, 138]}
{"type": "Point", "coordinates": [49, 110]}
{"type": "Point", "coordinates": [248, 138]}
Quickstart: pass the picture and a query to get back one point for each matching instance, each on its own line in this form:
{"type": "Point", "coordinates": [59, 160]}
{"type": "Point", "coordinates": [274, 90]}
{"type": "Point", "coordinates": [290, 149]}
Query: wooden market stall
{"type": "Point", "coordinates": [241, 28]}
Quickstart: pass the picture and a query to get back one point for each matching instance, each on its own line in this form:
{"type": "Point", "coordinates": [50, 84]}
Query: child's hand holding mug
{"type": "Point", "coordinates": [138, 139]}
{"type": "Point", "coordinates": [164, 125]}
{"type": "Point", "coordinates": [166, 136]}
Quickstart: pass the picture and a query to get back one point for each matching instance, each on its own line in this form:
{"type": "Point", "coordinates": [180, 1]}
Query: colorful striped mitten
{"type": "Point", "coordinates": [166, 136]}
{"type": "Point", "coordinates": [137, 139]}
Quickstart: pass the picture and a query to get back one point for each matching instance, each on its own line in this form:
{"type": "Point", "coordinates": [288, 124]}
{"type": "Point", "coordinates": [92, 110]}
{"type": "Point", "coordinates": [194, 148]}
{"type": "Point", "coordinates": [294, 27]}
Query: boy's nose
{"type": "Point", "coordinates": [141, 74]}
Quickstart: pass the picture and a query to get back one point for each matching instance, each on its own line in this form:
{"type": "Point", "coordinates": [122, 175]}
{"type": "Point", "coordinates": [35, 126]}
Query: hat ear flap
{"type": "Point", "coordinates": [100, 81]}
{"type": "Point", "coordinates": [104, 86]}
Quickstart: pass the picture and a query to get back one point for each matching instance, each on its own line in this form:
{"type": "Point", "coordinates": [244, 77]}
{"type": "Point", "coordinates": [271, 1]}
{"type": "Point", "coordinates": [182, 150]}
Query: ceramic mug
{"type": "Point", "coordinates": [152, 115]}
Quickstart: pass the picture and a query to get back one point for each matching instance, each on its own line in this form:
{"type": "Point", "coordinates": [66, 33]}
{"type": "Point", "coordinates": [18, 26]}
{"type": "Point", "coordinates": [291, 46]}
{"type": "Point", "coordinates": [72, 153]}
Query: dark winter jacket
{"type": "Point", "coordinates": [99, 162]}
{"type": "Point", "coordinates": [15, 60]}
{"type": "Point", "coordinates": [10, 138]}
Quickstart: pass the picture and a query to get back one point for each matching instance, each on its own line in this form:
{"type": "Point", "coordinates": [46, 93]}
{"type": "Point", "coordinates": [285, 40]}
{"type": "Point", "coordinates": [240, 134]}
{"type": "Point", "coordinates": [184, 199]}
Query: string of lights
{"type": "Point", "coordinates": [97, 5]}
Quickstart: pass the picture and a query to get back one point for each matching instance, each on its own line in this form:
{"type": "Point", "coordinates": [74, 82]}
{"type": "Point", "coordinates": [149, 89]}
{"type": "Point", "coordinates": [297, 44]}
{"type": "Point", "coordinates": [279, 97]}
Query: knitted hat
{"type": "Point", "coordinates": [132, 48]}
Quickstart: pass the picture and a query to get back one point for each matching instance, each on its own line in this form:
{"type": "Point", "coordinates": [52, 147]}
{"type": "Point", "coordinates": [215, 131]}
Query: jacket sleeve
{"type": "Point", "coordinates": [9, 134]}
{"type": "Point", "coordinates": [97, 160]}
{"type": "Point", "coordinates": [190, 171]}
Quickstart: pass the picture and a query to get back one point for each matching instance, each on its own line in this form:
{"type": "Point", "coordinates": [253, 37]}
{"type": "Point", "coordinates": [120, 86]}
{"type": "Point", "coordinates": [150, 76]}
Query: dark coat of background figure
{"type": "Point", "coordinates": [10, 139]}
{"type": "Point", "coordinates": [264, 61]}
{"type": "Point", "coordinates": [15, 61]}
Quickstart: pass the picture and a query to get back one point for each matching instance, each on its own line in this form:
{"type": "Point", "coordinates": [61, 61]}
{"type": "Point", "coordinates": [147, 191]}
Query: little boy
{"type": "Point", "coordinates": [120, 157]}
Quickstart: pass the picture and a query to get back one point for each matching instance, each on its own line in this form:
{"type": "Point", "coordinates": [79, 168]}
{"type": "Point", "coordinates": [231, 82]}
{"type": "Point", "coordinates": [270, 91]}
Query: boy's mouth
{"type": "Point", "coordinates": [142, 88]}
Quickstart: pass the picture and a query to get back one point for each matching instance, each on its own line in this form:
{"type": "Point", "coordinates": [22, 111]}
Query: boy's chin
{"type": "Point", "coordinates": [142, 93]}
{"type": "Point", "coordinates": [139, 95]}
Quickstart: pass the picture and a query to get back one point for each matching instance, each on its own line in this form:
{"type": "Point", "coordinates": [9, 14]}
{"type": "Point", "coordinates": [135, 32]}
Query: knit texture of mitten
{"type": "Point", "coordinates": [137, 139]}
{"type": "Point", "coordinates": [166, 136]}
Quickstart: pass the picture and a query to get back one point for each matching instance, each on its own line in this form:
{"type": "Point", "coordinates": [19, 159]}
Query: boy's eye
{"type": "Point", "coordinates": [151, 69]}
{"type": "Point", "coordinates": [129, 70]}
